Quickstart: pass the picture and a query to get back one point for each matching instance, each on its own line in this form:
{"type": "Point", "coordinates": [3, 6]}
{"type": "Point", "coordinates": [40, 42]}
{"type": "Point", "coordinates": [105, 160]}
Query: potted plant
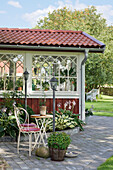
{"type": "Point", "coordinates": [87, 114]}
{"type": "Point", "coordinates": [42, 104]}
{"type": "Point", "coordinates": [58, 143]}
{"type": "Point", "coordinates": [45, 86]}
{"type": "Point", "coordinates": [19, 83]}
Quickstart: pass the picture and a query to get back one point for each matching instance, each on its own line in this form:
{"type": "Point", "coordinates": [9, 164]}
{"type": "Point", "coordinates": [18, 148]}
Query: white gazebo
{"type": "Point", "coordinates": [43, 52]}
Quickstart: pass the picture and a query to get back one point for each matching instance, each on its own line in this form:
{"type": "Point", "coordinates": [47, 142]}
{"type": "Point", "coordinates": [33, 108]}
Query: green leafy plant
{"type": "Point", "coordinates": [19, 82]}
{"type": "Point", "coordinates": [9, 99]}
{"type": "Point", "coordinates": [59, 140]}
{"type": "Point", "coordinates": [8, 125]}
{"type": "Point", "coordinates": [88, 113]}
{"type": "Point", "coordinates": [70, 113]}
{"type": "Point", "coordinates": [30, 112]}
{"type": "Point", "coordinates": [42, 102]}
{"type": "Point", "coordinates": [64, 122]}
{"type": "Point", "coordinates": [45, 86]}
{"type": "Point", "coordinates": [65, 119]}
{"type": "Point", "coordinates": [9, 83]}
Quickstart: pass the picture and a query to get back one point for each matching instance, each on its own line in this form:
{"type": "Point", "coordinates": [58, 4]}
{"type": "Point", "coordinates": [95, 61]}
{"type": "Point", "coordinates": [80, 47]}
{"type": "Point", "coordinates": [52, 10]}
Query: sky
{"type": "Point", "coordinates": [26, 13]}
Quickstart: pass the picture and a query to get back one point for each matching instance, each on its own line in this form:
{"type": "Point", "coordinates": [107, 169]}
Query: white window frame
{"type": "Point", "coordinates": [12, 53]}
{"type": "Point", "coordinates": [48, 94]}
{"type": "Point", "coordinates": [28, 64]}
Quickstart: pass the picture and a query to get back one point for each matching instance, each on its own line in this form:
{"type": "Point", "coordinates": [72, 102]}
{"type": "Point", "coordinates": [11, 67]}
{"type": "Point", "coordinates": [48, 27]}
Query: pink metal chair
{"type": "Point", "coordinates": [26, 128]}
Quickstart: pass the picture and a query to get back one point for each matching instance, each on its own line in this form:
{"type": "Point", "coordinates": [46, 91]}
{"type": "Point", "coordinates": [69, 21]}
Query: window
{"type": "Point", "coordinates": [11, 72]}
{"type": "Point", "coordinates": [64, 67]}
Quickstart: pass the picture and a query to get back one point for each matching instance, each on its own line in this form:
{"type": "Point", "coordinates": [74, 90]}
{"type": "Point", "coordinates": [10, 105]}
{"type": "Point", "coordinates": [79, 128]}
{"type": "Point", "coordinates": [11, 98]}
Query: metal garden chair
{"type": "Point", "coordinates": [26, 128]}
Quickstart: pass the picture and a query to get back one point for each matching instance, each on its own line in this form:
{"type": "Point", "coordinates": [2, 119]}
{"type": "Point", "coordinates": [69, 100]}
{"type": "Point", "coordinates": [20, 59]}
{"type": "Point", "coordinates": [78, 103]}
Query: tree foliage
{"type": "Point", "coordinates": [98, 66]}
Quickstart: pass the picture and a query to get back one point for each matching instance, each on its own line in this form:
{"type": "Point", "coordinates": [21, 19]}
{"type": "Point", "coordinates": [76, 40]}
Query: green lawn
{"type": "Point", "coordinates": [103, 106]}
{"type": "Point", "coordinates": [108, 165]}
{"type": "Point", "coordinates": [103, 114]}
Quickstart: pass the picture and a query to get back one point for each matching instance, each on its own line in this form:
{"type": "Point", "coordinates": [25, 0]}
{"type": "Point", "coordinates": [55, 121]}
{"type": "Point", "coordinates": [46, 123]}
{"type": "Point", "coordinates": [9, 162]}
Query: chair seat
{"type": "Point", "coordinates": [28, 125]}
{"type": "Point", "coordinates": [31, 129]}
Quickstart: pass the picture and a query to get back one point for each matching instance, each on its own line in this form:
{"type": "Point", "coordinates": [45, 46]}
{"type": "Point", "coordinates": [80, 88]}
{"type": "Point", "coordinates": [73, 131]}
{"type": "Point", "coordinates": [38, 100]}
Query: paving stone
{"type": "Point", "coordinates": [94, 145]}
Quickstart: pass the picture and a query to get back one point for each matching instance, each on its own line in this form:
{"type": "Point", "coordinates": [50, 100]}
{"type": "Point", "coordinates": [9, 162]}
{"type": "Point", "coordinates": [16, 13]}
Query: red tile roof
{"type": "Point", "coordinates": [35, 37]}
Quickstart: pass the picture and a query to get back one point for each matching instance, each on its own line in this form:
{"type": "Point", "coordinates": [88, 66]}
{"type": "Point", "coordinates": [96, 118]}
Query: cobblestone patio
{"type": "Point", "coordinates": [93, 145]}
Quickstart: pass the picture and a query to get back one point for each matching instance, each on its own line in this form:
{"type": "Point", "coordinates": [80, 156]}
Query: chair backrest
{"type": "Point", "coordinates": [18, 111]}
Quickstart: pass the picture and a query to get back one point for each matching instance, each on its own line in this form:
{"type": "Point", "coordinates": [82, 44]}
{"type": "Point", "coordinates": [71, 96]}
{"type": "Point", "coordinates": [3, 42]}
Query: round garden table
{"type": "Point", "coordinates": [42, 122]}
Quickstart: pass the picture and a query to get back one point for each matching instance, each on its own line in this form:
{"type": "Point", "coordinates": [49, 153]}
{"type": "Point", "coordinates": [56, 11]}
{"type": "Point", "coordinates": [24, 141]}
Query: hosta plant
{"type": "Point", "coordinates": [65, 119]}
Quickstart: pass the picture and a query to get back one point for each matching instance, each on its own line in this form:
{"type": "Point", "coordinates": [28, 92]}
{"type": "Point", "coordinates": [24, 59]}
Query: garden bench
{"type": "Point", "coordinates": [92, 94]}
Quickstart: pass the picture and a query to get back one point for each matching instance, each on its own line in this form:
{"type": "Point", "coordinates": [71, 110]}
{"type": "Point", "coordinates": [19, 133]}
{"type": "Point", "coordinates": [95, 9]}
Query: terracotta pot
{"type": "Point", "coordinates": [42, 110]}
{"type": "Point", "coordinates": [57, 154]}
{"type": "Point", "coordinates": [20, 88]}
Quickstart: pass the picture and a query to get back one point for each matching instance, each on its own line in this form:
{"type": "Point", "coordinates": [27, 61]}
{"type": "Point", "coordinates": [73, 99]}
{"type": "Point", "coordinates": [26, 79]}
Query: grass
{"type": "Point", "coordinates": [103, 114]}
{"type": "Point", "coordinates": [107, 165]}
{"type": "Point", "coordinates": [102, 107]}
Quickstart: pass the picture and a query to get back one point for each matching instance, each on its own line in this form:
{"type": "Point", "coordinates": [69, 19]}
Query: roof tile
{"type": "Point", "coordinates": [47, 37]}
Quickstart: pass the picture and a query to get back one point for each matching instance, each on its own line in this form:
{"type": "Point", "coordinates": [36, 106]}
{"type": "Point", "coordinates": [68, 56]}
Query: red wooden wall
{"type": "Point", "coordinates": [34, 104]}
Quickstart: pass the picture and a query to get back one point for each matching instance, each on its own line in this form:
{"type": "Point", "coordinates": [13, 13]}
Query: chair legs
{"type": "Point", "coordinates": [18, 144]}
{"type": "Point", "coordinates": [30, 143]}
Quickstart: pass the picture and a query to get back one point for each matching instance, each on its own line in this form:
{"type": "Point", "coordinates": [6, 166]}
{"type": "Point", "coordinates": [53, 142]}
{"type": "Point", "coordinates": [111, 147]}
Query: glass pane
{"type": "Point", "coordinates": [72, 70]}
{"type": "Point", "coordinates": [55, 69]}
{"type": "Point", "coordinates": [9, 83]}
{"type": "Point", "coordinates": [19, 68]}
{"type": "Point", "coordinates": [11, 66]}
{"type": "Point", "coordinates": [63, 67]}
{"type": "Point", "coordinates": [72, 84]}
{"type": "Point", "coordinates": [36, 71]}
{"type": "Point", "coordinates": [1, 83]}
{"type": "Point", "coordinates": [19, 83]}
{"type": "Point", "coordinates": [45, 70]}
{"type": "Point", "coordinates": [36, 84]}
{"type": "Point", "coordinates": [45, 85]}
{"type": "Point", "coordinates": [64, 84]}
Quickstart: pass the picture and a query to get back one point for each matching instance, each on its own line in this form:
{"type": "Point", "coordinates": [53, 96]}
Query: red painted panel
{"type": "Point", "coordinates": [48, 104]}
{"type": "Point", "coordinates": [35, 105]}
{"type": "Point", "coordinates": [68, 103]}
{"type": "Point", "coordinates": [58, 103]}
{"type": "Point", "coordinates": [29, 102]}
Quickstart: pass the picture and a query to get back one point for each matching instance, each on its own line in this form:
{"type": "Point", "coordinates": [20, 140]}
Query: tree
{"type": "Point", "coordinates": [87, 20]}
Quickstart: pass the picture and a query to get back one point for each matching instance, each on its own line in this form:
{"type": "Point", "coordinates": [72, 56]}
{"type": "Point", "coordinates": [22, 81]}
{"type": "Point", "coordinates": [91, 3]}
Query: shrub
{"type": "Point", "coordinates": [8, 125]}
{"type": "Point", "coordinates": [58, 140]}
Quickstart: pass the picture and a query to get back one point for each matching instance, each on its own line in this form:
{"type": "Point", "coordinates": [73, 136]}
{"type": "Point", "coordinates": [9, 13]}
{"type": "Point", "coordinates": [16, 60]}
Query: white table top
{"type": "Point", "coordinates": [44, 116]}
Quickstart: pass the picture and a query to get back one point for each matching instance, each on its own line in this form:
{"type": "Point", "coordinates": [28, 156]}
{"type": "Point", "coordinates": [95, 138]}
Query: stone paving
{"type": "Point", "coordinates": [93, 145]}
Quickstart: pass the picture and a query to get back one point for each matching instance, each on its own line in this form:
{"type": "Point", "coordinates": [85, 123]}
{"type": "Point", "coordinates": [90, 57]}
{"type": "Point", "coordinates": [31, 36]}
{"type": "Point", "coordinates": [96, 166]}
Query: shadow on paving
{"type": "Point", "coordinates": [93, 146]}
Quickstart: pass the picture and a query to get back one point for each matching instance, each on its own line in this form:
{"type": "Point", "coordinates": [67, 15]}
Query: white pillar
{"type": "Point", "coordinates": [81, 81]}
{"type": "Point", "coordinates": [83, 92]}
{"type": "Point", "coordinates": [28, 65]}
